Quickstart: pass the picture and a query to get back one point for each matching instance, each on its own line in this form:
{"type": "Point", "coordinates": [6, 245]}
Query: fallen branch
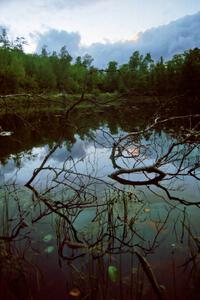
{"type": "Point", "coordinates": [16, 95]}
{"type": "Point", "coordinates": [150, 169]}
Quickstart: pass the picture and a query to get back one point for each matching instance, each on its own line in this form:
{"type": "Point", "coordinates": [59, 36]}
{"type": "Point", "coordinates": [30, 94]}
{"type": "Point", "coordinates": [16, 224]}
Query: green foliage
{"type": "Point", "coordinates": [56, 72]}
{"type": "Point", "coordinates": [191, 72]}
{"type": "Point", "coordinates": [112, 77]}
{"type": "Point", "coordinates": [4, 41]}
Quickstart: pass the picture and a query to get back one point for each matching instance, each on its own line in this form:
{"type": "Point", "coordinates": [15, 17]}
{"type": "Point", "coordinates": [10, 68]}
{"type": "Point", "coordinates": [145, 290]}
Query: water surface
{"type": "Point", "coordinates": [63, 232]}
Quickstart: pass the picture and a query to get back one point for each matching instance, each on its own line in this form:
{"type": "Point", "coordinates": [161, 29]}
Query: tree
{"type": "Point", "coordinates": [87, 60]}
{"type": "Point", "coordinates": [191, 72]}
{"type": "Point", "coordinates": [57, 72]}
{"type": "Point", "coordinates": [4, 41]}
{"type": "Point", "coordinates": [19, 43]}
{"type": "Point", "coordinates": [44, 52]}
{"type": "Point", "coordinates": [112, 77]}
{"type": "Point", "coordinates": [135, 64]}
{"type": "Point", "coordinates": [45, 75]}
{"type": "Point", "coordinates": [159, 77]}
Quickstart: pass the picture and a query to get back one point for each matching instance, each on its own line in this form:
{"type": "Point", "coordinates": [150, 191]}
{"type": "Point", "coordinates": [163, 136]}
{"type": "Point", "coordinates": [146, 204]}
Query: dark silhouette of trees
{"type": "Point", "coordinates": [57, 72]}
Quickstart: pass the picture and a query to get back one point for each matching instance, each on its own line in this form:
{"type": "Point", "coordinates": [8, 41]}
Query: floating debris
{"type": "Point", "coordinates": [157, 226]}
{"type": "Point", "coordinates": [6, 133]}
{"type": "Point", "coordinates": [49, 249]}
{"type": "Point", "coordinates": [146, 210]}
{"type": "Point", "coordinates": [113, 273]}
{"type": "Point", "coordinates": [47, 238]}
{"type": "Point", "coordinates": [75, 292]}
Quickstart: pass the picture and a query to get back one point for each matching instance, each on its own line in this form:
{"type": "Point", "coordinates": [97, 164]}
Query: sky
{"type": "Point", "coordinates": [84, 24]}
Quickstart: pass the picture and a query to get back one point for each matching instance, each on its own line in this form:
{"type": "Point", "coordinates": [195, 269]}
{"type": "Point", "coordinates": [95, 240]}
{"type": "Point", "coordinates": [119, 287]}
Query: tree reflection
{"type": "Point", "coordinates": [98, 224]}
{"type": "Point", "coordinates": [159, 163]}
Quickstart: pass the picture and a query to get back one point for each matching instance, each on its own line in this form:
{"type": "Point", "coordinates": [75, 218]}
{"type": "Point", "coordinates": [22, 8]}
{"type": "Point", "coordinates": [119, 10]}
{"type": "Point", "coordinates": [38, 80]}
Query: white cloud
{"type": "Point", "coordinates": [165, 41]}
{"type": "Point", "coordinates": [172, 38]}
{"type": "Point", "coordinates": [55, 39]}
{"type": "Point", "coordinates": [58, 4]}
{"type": "Point", "coordinates": [95, 20]}
{"type": "Point", "coordinates": [70, 3]}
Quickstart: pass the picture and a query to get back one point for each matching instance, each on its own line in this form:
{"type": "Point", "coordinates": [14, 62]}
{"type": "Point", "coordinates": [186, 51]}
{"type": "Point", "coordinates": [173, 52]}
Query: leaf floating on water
{"type": "Point", "coordinates": [75, 292]}
{"type": "Point", "coordinates": [146, 210]}
{"type": "Point", "coordinates": [6, 133]}
{"type": "Point", "coordinates": [113, 273]}
{"type": "Point", "coordinates": [49, 249]}
{"type": "Point", "coordinates": [47, 238]}
{"type": "Point", "coordinates": [156, 226]}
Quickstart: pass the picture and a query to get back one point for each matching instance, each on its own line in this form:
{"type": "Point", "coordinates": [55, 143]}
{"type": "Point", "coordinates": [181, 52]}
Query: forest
{"type": "Point", "coordinates": [59, 72]}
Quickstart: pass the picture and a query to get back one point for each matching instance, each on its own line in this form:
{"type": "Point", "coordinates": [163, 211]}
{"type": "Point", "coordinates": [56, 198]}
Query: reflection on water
{"type": "Point", "coordinates": [70, 230]}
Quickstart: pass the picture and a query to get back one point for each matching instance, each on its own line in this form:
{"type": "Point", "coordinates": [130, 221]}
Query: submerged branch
{"type": "Point", "coordinates": [159, 291]}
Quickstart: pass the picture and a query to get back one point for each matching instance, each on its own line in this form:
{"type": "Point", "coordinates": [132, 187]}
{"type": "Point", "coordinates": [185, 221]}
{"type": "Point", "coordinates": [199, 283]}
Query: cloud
{"type": "Point", "coordinates": [58, 4]}
{"type": "Point", "coordinates": [172, 38]}
{"type": "Point", "coordinates": [95, 20]}
{"type": "Point", "coordinates": [165, 41]}
{"type": "Point", "coordinates": [70, 3]}
{"type": "Point", "coordinates": [56, 39]}
{"type": "Point", "coordinates": [77, 151]}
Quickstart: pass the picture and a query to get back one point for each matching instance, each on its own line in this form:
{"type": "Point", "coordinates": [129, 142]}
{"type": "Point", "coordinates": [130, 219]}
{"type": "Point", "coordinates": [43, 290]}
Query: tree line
{"type": "Point", "coordinates": [58, 72]}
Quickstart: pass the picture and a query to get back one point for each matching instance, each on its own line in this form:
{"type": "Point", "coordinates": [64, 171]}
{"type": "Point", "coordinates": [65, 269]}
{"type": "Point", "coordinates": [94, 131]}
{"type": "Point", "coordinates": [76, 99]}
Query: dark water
{"type": "Point", "coordinates": [76, 233]}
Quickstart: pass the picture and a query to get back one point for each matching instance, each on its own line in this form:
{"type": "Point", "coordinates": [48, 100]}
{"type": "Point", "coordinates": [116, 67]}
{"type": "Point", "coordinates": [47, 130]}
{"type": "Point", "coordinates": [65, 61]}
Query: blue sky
{"type": "Point", "coordinates": [104, 27]}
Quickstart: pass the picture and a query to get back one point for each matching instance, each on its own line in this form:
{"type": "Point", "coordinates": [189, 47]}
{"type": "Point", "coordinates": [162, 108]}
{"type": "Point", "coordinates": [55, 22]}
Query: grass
{"type": "Point", "coordinates": [61, 102]}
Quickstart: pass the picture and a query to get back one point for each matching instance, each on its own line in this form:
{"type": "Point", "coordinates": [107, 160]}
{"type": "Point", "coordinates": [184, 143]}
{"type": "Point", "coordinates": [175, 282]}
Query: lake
{"type": "Point", "coordinates": [103, 204]}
